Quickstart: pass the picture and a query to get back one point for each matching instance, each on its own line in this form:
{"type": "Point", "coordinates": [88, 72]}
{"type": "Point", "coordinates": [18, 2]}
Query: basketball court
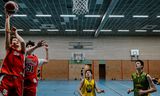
{"type": "Point", "coordinates": [113, 88]}
{"type": "Point", "coordinates": [105, 36]}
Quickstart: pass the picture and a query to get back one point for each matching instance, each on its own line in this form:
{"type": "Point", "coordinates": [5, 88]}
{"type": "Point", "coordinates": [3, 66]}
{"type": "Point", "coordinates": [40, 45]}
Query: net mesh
{"type": "Point", "coordinates": [80, 7]}
{"type": "Point", "coordinates": [134, 57]}
{"type": "Point", "coordinates": [78, 57]}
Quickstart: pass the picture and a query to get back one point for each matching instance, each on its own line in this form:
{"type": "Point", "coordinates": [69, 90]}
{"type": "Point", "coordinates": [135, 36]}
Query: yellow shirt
{"type": "Point", "coordinates": [88, 88]}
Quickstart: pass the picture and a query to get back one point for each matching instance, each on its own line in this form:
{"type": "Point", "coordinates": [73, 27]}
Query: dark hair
{"type": "Point", "coordinates": [142, 63]}
{"type": "Point", "coordinates": [30, 43]}
{"type": "Point", "coordinates": [12, 37]}
{"type": "Point", "coordinates": [88, 70]}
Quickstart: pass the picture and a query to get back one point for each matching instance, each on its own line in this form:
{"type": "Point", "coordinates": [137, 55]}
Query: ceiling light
{"type": "Point", "coordinates": [70, 30]}
{"type": "Point", "coordinates": [156, 31]}
{"type": "Point", "coordinates": [123, 30]}
{"type": "Point", "coordinates": [140, 16]}
{"type": "Point", "coordinates": [105, 30]}
{"type": "Point", "coordinates": [52, 30]}
{"type": "Point", "coordinates": [140, 30]}
{"type": "Point", "coordinates": [19, 15]}
{"type": "Point", "coordinates": [67, 15]}
{"type": "Point", "coordinates": [2, 29]}
{"type": "Point", "coordinates": [42, 15]}
{"type": "Point", "coordinates": [116, 16]}
{"type": "Point", "coordinates": [158, 16]}
{"type": "Point", "coordinates": [89, 30]}
{"type": "Point", "coordinates": [92, 15]}
{"type": "Point", "coordinates": [19, 29]}
{"type": "Point", "coordinates": [34, 29]}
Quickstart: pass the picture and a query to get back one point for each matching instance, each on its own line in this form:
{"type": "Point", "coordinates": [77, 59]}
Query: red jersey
{"type": "Point", "coordinates": [31, 65]}
{"type": "Point", "coordinates": [13, 63]}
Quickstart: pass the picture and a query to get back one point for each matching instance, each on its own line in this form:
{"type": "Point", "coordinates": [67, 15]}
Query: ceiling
{"type": "Point", "coordinates": [98, 26]}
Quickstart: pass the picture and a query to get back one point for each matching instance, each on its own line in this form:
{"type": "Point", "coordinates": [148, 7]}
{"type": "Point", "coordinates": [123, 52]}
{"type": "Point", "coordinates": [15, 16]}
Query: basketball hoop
{"type": "Point", "coordinates": [78, 57]}
{"type": "Point", "coordinates": [80, 7]}
{"type": "Point", "coordinates": [78, 60]}
{"type": "Point", "coordinates": [134, 57]}
{"type": "Point", "coordinates": [134, 54]}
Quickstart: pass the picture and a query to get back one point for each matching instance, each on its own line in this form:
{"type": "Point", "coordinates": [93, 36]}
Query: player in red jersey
{"type": "Point", "coordinates": [12, 69]}
{"type": "Point", "coordinates": [31, 65]}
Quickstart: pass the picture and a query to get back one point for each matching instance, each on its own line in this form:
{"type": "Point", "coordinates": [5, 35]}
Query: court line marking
{"type": "Point", "coordinates": [127, 86]}
{"type": "Point", "coordinates": [111, 89]}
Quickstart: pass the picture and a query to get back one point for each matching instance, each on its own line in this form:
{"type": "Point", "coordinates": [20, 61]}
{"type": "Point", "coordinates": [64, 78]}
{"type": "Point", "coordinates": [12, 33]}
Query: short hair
{"type": "Point", "coordinates": [12, 37]}
{"type": "Point", "coordinates": [142, 63]}
{"type": "Point", "coordinates": [88, 70]}
{"type": "Point", "coordinates": [30, 43]}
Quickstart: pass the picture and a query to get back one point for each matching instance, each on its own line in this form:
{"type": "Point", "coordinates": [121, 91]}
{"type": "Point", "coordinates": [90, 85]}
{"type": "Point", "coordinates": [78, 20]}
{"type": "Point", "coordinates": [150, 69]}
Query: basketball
{"type": "Point", "coordinates": [11, 7]}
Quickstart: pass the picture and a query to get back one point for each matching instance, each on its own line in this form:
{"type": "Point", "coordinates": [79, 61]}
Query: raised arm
{"type": "Point", "coordinates": [39, 44]}
{"type": "Point", "coordinates": [7, 31]}
{"type": "Point", "coordinates": [44, 61]}
{"type": "Point", "coordinates": [46, 49]}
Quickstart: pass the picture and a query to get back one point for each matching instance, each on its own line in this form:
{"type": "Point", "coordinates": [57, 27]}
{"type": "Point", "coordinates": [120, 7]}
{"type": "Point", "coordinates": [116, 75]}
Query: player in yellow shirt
{"type": "Point", "coordinates": [88, 85]}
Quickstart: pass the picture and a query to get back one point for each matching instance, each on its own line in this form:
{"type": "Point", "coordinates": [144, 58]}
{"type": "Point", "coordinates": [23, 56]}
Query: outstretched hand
{"type": "Point", "coordinates": [129, 91]}
{"type": "Point", "coordinates": [40, 43]}
{"type": "Point", "coordinates": [102, 91]}
{"type": "Point", "coordinates": [14, 30]}
{"type": "Point", "coordinates": [7, 14]}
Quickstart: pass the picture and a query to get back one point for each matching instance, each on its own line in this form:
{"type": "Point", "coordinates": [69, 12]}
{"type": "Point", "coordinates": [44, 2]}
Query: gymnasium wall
{"type": "Point", "coordinates": [75, 71]}
{"type": "Point", "coordinates": [95, 69]}
{"type": "Point", "coordinates": [122, 69]}
{"type": "Point", "coordinates": [115, 69]}
{"type": "Point", "coordinates": [56, 70]}
{"type": "Point", "coordinates": [114, 50]}
{"type": "Point", "coordinates": [104, 48]}
{"type": "Point", "coordinates": [154, 68]}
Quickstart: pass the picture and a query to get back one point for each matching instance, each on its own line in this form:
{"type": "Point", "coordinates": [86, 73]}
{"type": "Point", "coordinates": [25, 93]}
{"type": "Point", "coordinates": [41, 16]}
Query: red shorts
{"type": "Point", "coordinates": [30, 88]}
{"type": "Point", "coordinates": [30, 91]}
{"type": "Point", "coordinates": [11, 85]}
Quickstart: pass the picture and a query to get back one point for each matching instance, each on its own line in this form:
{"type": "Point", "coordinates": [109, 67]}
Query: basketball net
{"type": "Point", "coordinates": [80, 7]}
{"type": "Point", "coordinates": [78, 60]}
{"type": "Point", "coordinates": [134, 57]}
{"type": "Point", "coordinates": [78, 57]}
